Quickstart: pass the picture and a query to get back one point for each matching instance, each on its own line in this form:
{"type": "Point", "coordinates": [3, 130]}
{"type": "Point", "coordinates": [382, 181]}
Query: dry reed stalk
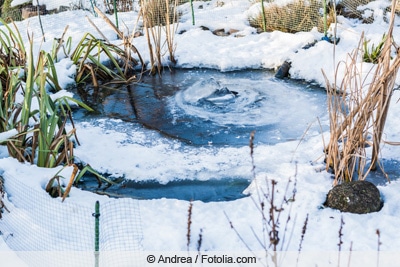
{"type": "Point", "coordinates": [146, 13]}
{"type": "Point", "coordinates": [170, 29]}
{"type": "Point", "coordinates": [109, 22]}
{"type": "Point", "coordinates": [71, 181]}
{"type": "Point", "coordinates": [365, 112]}
{"type": "Point", "coordinates": [127, 43]}
{"type": "Point", "coordinates": [159, 16]}
{"type": "Point", "coordinates": [97, 29]}
{"type": "Point", "coordinates": [384, 78]}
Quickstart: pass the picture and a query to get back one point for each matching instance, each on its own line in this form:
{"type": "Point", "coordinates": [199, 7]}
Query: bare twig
{"type": "Point", "coordinates": [200, 240]}
{"type": "Point", "coordinates": [237, 232]}
{"type": "Point", "coordinates": [97, 29]}
{"type": "Point", "coordinates": [189, 224]}
{"type": "Point", "coordinates": [303, 233]}
{"type": "Point", "coordinates": [340, 238]}
{"type": "Point", "coordinates": [378, 233]}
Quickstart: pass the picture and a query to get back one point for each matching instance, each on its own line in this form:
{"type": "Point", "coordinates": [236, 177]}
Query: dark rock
{"type": "Point", "coordinates": [204, 28]}
{"type": "Point", "coordinates": [221, 92]}
{"type": "Point", "coordinates": [355, 197]}
{"type": "Point", "coordinates": [63, 8]}
{"type": "Point", "coordinates": [309, 45]}
{"type": "Point", "coordinates": [283, 71]}
{"type": "Point", "coordinates": [220, 96]}
{"type": "Point", "coordinates": [31, 11]}
{"type": "Point", "coordinates": [137, 34]}
{"type": "Point", "coordinates": [220, 32]}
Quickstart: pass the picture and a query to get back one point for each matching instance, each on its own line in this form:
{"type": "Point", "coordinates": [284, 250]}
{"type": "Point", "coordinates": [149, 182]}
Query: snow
{"type": "Point", "coordinates": [52, 4]}
{"type": "Point", "coordinates": [141, 154]}
{"type": "Point", "coordinates": [8, 134]}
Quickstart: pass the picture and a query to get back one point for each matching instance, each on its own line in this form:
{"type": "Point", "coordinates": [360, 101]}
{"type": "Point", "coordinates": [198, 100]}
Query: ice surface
{"type": "Point", "coordinates": [289, 106]}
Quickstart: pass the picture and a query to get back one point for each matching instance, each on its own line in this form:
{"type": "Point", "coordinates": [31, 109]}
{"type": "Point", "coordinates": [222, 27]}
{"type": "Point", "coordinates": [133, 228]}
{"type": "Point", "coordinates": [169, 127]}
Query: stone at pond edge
{"type": "Point", "coordinates": [355, 197]}
{"type": "Point", "coordinates": [220, 32]}
{"type": "Point", "coordinates": [283, 71]}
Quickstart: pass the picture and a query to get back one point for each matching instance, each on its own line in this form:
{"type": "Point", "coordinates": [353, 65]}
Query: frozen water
{"type": "Point", "coordinates": [193, 115]}
{"type": "Point", "coordinates": [256, 103]}
{"type": "Point", "coordinates": [245, 101]}
{"type": "Point", "coordinates": [212, 190]}
{"type": "Point", "coordinates": [204, 107]}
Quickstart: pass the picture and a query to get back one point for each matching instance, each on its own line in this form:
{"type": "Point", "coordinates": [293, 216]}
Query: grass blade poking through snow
{"type": "Point", "coordinates": [16, 146]}
{"type": "Point", "coordinates": [88, 57]}
{"type": "Point", "coordinates": [42, 137]}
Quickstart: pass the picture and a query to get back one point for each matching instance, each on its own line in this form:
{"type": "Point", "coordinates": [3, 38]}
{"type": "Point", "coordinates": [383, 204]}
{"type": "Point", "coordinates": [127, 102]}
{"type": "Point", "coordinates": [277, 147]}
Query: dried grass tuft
{"type": "Point", "coordinates": [159, 12]}
{"type": "Point", "coordinates": [358, 111]}
{"type": "Point", "coordinates": [294, 17]}
{"type": "Point", "coordinates": [160, 16]}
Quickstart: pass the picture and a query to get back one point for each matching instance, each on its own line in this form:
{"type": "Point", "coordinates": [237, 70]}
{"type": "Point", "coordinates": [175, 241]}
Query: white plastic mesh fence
{"type": "Point", "coordinates": [45, 232]}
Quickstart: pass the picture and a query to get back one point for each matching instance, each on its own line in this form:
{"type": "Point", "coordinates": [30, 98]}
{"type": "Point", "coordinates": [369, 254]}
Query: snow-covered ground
{"type": "Point", "coordinates": [145, 154]}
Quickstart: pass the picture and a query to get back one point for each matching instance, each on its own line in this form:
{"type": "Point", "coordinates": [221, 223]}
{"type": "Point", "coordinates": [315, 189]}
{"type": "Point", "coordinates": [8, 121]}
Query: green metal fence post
{"type": "Point", "coordinates": [116, 13]}
{"type": "Point", "coordinates": [325, 38]}
{"type": "Point", "coordinates": [191, 6]}
{"type": "Point", "coordinates": [264, 22]}
{"type": "Point", "coordinates": [96, 216]}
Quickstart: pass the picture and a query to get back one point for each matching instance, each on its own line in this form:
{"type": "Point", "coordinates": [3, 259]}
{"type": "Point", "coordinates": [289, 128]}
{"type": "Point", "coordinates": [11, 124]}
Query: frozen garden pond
{"type": "Point", "coordinates": [202, 107]}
